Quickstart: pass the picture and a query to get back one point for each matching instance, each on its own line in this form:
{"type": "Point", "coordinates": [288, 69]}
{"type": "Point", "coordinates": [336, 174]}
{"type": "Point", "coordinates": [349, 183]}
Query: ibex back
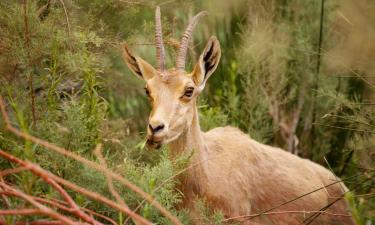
{"type": "Point", "coordinates": [231, 171]}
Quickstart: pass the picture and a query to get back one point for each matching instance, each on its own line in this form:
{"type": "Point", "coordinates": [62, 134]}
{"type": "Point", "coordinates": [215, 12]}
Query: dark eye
{"type": "Point", "coordinates": [147, 92]}
{"type": "Point", "coordinates": [189, 92]}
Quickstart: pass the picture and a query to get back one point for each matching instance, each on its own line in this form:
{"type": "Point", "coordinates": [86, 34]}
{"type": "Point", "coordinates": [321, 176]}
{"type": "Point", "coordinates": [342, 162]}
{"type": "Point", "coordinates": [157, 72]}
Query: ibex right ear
{"type": "Point", "coordinates": [208, 61]}
{"type": "Point", "coordinates": [137, 65]}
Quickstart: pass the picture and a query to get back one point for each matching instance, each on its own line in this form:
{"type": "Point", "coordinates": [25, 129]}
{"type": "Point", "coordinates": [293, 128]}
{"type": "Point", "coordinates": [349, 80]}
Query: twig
{"type": "Point", "coordinates": [89, 163]}
{"type": "Point", "coordinates": [134, 2]}
{"type": "Point", "coordinates": [66, 15]}
{"type": "Point", "coordinates": [292, 145]}
{"type": "Point", "coordinates": [345, 128]}
{"type": "Point", "coordinates": [316, 82]}
{"type": "Point", "coordinates": [42, 9]}
{"type": "Point", "coordinates": [27, 45]}
{"type": "Point", "coordinates": [26, 24]}
{"type": "Point", "coordinates": [313, 217]}
{"type": "Point", "coordinates": [301, 196]}
{"type": "Point", "coordinates": [286, 212]}
{"type": "Point", "coordinates": [166, 2]}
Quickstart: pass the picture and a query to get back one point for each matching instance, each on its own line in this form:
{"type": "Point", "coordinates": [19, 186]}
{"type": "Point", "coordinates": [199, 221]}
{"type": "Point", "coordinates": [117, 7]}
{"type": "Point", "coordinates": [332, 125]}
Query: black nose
{"type": "Point", "coordinates": [156, 128]}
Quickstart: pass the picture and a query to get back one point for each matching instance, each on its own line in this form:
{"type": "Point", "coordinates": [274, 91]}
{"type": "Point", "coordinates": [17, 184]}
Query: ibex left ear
{"type": "Point", "coordinates": [207, 63]}
{"type": "Point", "coordinates": [137, 65]}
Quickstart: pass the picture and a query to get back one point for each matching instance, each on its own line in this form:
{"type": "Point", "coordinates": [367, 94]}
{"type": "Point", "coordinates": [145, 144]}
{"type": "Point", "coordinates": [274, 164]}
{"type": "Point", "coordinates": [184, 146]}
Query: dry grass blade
{"type": "Point", "coordinates": [292, 200]}
{"type": "Point", "coordinates": [66, 15]}
{"type": "Point", "coordinates": [314, 216]}
{"type": "Point", "coordinates": [290, 212]}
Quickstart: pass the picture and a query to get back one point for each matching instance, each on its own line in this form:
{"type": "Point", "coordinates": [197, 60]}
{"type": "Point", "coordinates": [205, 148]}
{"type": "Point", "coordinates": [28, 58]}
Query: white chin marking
{"type": "Point", "coordinates": [172, 138]}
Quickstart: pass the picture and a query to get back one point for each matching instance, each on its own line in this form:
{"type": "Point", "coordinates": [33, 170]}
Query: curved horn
{"type": "Point", "coordinates": [180, 62]}
{"type": "Point", "coordinates": [159, 41]}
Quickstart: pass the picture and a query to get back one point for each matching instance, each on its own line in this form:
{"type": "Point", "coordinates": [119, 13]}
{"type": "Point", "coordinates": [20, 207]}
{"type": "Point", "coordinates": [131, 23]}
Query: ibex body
{"type": "Point", "coordinates": [231, 171]}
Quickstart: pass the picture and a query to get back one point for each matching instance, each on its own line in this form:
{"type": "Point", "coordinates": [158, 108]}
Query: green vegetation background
{"type": "Point", "coordinates": [64, 80]}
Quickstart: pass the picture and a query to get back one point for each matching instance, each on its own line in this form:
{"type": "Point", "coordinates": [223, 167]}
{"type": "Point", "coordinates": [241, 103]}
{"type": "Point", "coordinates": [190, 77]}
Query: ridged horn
{"type": "Point", "coordinates": [159, 41]}
{"type": "Point", "coordinates": [181, 56]}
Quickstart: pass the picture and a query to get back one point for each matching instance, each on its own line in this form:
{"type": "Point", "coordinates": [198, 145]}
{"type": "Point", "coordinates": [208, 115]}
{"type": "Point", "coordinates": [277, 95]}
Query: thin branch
{"type": "Point", "coordinates": [285, 212]}
{"type": "Point", "coordinates": [317, 75]}
{"type": "Point", "coordinates": [132, 2]}
{"type": "Point", "coordinates": [345, 128]}
{"type": "Point", "coordinates": [43, 9]}
{"type": "Point", "coordinates": [313, 217]}
{"type": "Point", "coordinates": [27, 46]}
{"type": "Point", "coordinates": [292, 139]}
{"type": "Point", "coordinates": [301, 196]}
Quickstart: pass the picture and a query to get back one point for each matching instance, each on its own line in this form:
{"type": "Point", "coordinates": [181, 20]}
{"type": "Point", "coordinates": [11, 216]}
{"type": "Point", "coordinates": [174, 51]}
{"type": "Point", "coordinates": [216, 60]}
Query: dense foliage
{"type": "Point", "coordinates": [292, 75]}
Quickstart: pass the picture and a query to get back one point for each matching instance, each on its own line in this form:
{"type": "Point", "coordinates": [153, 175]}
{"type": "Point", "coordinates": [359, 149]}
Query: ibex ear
{"type": "Point", "coordinates": [137, 65]}
{"type": "Point", "coordinates": [207, 63]}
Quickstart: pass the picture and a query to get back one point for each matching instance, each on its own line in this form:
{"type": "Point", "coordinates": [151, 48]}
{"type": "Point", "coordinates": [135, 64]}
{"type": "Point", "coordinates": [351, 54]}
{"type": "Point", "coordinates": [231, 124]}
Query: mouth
{"type": "Point", "coordinates": [156, 141]}
{"type": "Point", "coordinates": [151, 143]}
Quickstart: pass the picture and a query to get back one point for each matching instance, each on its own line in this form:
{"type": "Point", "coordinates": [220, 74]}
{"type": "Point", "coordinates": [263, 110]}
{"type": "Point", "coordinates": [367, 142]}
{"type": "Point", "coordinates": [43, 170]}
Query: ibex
{"type": "Point", "coordinates": [229, 170]}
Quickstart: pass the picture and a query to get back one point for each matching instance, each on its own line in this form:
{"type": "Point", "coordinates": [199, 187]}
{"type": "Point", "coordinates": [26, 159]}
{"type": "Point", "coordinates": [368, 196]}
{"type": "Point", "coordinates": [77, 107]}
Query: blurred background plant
{"type": "Point", "coordinates": [295, 74]}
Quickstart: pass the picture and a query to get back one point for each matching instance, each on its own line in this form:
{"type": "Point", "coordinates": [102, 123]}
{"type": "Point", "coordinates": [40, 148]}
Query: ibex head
{"type": "Point", "coordinates": [173, 92]}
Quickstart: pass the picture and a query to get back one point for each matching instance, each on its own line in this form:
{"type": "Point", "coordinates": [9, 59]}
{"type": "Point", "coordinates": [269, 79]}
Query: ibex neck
{"type": "Point", "coordinates": [190, 140]}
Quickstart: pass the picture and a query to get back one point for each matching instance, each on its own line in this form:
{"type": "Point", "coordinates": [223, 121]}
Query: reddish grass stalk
{"type": "Point", "coordinates": [74, 208]}
{"type": "Point", "coordinates": [43, 173]}
{"type": "Point", "coordinates": [12, 171]}
{"type": "Point", "coordinates": [91, 164]}
{"type": "Point", "coordinates": [23, 212]}
{"type": "Point", "coordinates": [43, 209]}
{"type": "Point", "coordinates": [63, 206]}
{"type": "Point", "coordinates": [39, 222]}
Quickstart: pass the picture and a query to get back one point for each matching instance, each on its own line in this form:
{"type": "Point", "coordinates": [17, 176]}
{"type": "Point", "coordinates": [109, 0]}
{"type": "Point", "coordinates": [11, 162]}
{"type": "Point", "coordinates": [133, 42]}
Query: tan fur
{"type": "Point", "coordinates": [241, 177]}
{"type": "Point", "coordinates": [231, 171]}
